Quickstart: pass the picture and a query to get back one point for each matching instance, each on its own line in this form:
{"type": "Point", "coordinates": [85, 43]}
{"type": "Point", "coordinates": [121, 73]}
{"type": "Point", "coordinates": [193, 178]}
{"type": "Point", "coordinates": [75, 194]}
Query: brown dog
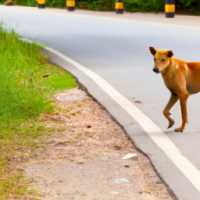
{"type": "Point", "coordinates": [181, 78]}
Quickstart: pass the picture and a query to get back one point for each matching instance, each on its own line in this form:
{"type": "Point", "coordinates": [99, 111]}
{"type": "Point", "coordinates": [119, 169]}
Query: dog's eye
{"type": "Point", "coordinates": [154, 60]}
{"type": "Point", "coordinates": [163, 60]}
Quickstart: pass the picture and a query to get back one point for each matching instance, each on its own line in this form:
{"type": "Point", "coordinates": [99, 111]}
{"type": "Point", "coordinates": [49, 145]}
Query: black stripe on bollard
{"type": "Point", "coordinates": [70, 8]}
{"type": "Point", "coordinates": [169, 8]}
{"type": "Point", "coordinates": [119, 6]}
{"type": "Point", "coordinates": [169, 1]}
{"type": "Point", "coordinates": [41, 5]}
{"type": "Point", "coordinates": [169, 15]}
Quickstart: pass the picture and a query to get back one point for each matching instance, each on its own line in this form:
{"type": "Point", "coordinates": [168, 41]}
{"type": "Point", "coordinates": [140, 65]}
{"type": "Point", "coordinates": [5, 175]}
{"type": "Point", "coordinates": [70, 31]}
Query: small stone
{"type": "Point", "coordinates": [130, 156]}
{"type": "Point", "coordinates": [138, 102]}
{"type": "Point", "coordinates": [141, 192]}
{"type": "Point", "coordinates": [117, 147]}
{"type": "Point", "coordinates": [148, 191]}
{"type": "Point", "coordinates": [46, 75]}
{"type": "Point", "coordinates": [121, 180]}
{"type": "Point", "coordinates": [113, 192]}
{"type": "Point", "coordinates": [80, 162]}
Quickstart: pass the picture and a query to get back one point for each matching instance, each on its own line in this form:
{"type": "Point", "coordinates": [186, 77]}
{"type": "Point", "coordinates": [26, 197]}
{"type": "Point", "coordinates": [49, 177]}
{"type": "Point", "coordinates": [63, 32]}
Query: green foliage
{"type": "Point", "coordinates": [15, 185]}
{"type": "Point", "coordinates": [190, 5]}
{"type": "Point", "coordinates": [187, 3]}
{"type": "Point", "coordinates": [144, 5]}
{"type": "Point", "coordinates": [96, 4]}
{"type": "Point", "coordinates": [23, 90]}
{"type": "Point", "coordinates": [28, 82]}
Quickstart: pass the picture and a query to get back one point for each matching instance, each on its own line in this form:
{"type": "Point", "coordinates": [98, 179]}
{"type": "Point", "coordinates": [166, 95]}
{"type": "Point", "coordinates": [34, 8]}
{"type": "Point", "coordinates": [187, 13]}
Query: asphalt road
{"type": "Point", "coordinates": [117, 50]}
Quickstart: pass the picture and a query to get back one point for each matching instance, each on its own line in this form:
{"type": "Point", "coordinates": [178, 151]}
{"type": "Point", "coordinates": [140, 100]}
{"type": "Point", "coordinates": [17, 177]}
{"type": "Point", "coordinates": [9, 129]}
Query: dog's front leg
{"type": "Point", "coordinates": [183, 101]}
{"type": "Point", "coordinates": [173, 99]}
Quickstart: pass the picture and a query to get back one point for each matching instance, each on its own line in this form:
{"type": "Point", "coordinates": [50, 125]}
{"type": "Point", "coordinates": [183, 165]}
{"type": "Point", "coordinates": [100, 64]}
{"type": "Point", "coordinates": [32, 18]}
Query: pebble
{"type": "Point", "coordinates": [130, 156]}
{"type": "Point", "coordinates": [121, 180]}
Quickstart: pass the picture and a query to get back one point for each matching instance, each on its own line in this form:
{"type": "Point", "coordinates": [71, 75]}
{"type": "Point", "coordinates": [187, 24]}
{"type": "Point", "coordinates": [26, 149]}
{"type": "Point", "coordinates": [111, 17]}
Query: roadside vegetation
{"type": "Point", "coordinates": [27, 85]}
{"type": "Point", "coordinates": [182, 6]}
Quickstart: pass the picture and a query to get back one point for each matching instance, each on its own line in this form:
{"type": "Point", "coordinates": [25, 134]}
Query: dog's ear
{"type": "Point", "coordinates": [152, 50]}
{"type": "Point", "coordinates": [170, 54]}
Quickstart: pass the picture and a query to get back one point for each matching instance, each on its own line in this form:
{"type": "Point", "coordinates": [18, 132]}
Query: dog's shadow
{"type": "Point", "coordinates": [177, 133]}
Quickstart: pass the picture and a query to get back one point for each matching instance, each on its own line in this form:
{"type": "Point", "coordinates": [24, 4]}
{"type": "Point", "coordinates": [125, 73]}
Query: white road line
{"type": "Point", "coordinates": [155, 133]}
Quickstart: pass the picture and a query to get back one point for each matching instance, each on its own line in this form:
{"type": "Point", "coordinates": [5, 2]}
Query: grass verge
{"type": "Point", "coordinates": [27, 83]}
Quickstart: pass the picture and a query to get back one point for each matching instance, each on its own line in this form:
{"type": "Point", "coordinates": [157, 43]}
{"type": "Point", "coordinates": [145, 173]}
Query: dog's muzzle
{"type": "Point", "coordinates": [156, 70]}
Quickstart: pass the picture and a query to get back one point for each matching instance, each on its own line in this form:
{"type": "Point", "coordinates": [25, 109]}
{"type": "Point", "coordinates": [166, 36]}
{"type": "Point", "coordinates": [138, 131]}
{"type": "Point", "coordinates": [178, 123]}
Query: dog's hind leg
{"type": "Point", "coordinates": [183, 100]}
{"type": "Point", "coordinates": [173, 99]}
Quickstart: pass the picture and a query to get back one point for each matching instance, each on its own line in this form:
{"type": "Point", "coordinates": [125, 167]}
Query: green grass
{"type": "Point", "coordinates": [24, 95]}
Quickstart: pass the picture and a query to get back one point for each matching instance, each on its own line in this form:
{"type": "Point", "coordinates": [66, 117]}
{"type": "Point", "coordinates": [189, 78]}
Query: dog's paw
{"type": "Point", "coordinates": [179, 129]}
{"type": "Point", "coordinates": [171, 123]}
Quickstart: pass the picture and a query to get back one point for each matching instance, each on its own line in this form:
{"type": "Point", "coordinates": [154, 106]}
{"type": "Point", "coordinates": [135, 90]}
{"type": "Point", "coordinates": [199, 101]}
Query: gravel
{"type": "Point", "coordinates": [82, 157]}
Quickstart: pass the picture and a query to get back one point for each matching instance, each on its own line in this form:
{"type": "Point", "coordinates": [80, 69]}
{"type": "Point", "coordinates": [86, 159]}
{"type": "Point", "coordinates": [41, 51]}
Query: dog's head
{"type": "Point", "coordinates": [161, 59]}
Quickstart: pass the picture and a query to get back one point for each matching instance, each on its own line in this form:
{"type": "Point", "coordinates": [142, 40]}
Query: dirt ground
{"type": "Point", "coordinates": [82, 157]}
